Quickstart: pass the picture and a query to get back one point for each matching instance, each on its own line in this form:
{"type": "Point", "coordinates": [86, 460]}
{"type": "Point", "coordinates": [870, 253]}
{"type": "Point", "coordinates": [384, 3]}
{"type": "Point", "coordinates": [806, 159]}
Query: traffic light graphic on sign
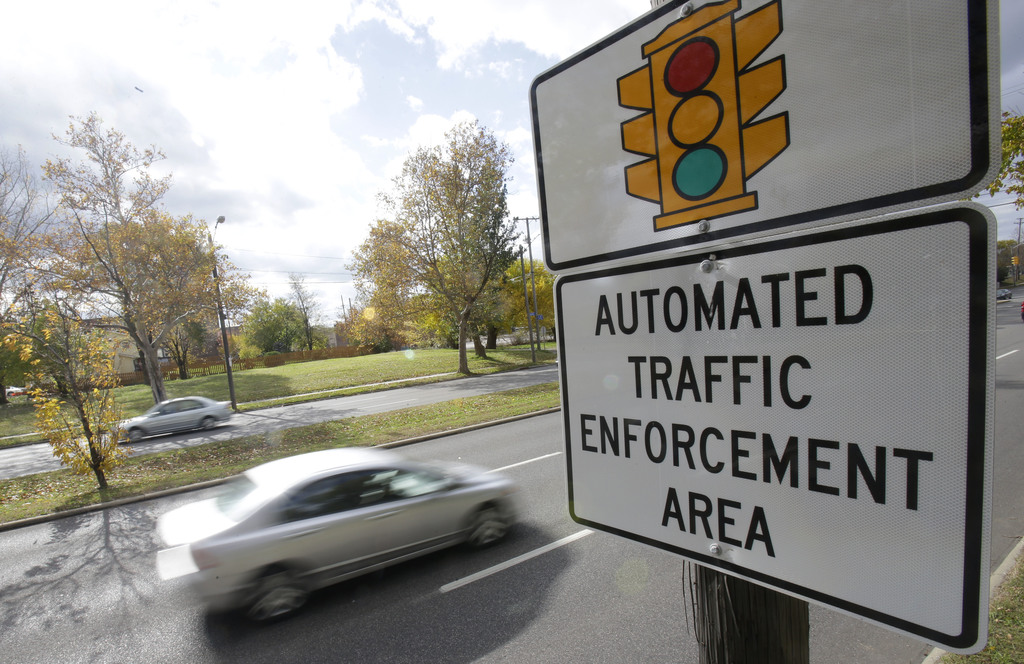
{"type": "Point", "coordinates": [700, 98]}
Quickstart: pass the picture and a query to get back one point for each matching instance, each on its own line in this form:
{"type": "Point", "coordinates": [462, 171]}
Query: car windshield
{"type": "Point", "coordinates": [235, 498]}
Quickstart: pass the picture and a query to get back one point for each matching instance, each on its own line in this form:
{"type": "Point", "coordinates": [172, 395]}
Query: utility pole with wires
{"type": "Point", "coordinates": [531, 318]}
{"type": "Point", "coordinates": [1016, 251]}
{"type": "Point", "coordinates": [526, 305]}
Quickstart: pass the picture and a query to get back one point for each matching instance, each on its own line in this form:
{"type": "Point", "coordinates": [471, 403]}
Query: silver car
{"type": "Point", "coordinates": [178, 415]}
{"type": "Point", "coordinates": [285, 528]}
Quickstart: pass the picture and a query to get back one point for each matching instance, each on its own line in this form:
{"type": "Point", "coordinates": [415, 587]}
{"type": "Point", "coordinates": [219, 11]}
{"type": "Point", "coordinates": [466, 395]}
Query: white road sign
{"type": "Point", "coordinates": [811, 412]}
{"type": "Point", "coordinates": [704, 122]}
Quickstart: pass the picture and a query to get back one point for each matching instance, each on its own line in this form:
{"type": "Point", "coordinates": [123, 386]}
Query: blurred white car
{"type": "Point", "coordinates": [16, 391]}
{"type": "Point", "coordinates": [178, 415]}
{"type": "Point", "coordinates": [285, 528]}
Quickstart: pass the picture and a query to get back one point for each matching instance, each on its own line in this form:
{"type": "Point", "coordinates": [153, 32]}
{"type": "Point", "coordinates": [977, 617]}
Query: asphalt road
{"type": "Point", "coordinates": [30, 459]}
{"type": "Point", "coordinates": [85, 588]}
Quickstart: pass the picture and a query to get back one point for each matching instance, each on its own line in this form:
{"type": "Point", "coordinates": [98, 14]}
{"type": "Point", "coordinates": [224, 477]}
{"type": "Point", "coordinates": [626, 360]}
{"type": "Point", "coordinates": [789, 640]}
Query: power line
{"type": "Point", "coordinates": [279, 253]}
{"type": "Point", "coordinates": [244, 269]}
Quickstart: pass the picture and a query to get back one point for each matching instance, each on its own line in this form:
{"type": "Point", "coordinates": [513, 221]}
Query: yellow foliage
{"type": "Point", "coordinates": [84, 427]}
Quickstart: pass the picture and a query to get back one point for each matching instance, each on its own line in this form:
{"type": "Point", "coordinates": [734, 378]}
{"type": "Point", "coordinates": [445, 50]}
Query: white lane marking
{"type": "Point", "coordinates": [514, 561]}
{"type": "Point", "coordinates": [999, 357]}
{"type": "Point", "coordinates": [523, 463]}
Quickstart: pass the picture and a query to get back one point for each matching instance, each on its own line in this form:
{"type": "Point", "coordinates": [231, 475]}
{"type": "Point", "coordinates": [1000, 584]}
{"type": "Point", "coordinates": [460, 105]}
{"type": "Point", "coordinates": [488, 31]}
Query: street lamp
{"type": "Point", "coordinates": [220, 318]}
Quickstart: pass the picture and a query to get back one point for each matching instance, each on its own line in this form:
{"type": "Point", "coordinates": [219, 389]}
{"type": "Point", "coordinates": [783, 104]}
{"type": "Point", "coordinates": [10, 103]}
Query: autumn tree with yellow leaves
{"type": "Point", "coordinates": [447, 236]}
{"type": "Point", "coordinates": [74, 378]}
{"type": "Point", "coordinates": [143, 270]}
{"type": "Point", "coordinates": [23, 212]}
{"type": "Point", "coordinates": [1010, 178]}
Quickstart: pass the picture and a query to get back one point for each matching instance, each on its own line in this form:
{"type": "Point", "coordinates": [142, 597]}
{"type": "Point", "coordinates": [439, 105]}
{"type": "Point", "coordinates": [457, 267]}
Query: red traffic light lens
{"type": "Point", "coordinates": [691, 66]}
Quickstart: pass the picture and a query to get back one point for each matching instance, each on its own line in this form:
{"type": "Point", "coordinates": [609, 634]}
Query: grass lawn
{"type": "Point", "coordinates": [304, 381]}
{"type": "Point", "coordinates": [1005, 625]}
{"type": "Point", "coordinates": [60, 490]}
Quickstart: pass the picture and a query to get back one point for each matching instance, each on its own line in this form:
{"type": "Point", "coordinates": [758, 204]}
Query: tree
{"type": "Point", "coordinates": [514, 307]}
{"type": "Point", "coordinates": [306, 304]}
{"type": "Point", "coordinates": [13, 370]}
{"type": "Point", "coordinates": [182, 342]}
{"type": "Point", "coordinates": [450, 235]}
{"type": "Point", "coordinates": [1005, 251]}
{"type": "Point", "coordinates": [74, 378]}
{"type": "Point", "coordinates": [273, 327]}
{"type": "Point", "coordinates": [1011, 172]}
{"type": "Point", "coordinates": [387, 289]}
{"type": "Point", "coordinates": [23, 211]}
{"type": "Point", "coordinates": [365, 327]}
{"type": "Point", "coordinates": [145, 270]}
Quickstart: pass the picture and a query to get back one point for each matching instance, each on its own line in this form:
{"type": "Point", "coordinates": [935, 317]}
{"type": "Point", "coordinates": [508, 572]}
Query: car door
{"type": "Point", "coordinates": [162, 420]}
{"type": "Point", "coordinates": [407, 511]}
{"type": "Point", "coordinates": [186, 415]}
{"type": "Point", "coordinates": [321, 528]}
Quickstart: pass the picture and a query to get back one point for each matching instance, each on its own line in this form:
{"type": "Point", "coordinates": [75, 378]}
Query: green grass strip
{"type": "Point", "coordinates": [60, 490]}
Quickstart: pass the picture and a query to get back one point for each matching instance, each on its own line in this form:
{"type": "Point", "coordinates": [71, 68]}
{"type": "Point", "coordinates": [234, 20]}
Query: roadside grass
{"type": "Point", "coordinates": [294, 383]}
{"type": "Point", "coordinates": [1005, 625]}
{"type": "Point", "coordinates": [60, 490]}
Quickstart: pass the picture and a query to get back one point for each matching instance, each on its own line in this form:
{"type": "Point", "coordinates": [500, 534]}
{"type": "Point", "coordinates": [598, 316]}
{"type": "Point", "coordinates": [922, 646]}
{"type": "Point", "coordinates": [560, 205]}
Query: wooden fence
{"type": "Point", "coordinates": [211, 367]}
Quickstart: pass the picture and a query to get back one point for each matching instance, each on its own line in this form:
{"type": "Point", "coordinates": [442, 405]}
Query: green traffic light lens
{"type": "Point", "coordinates": [699, 172]}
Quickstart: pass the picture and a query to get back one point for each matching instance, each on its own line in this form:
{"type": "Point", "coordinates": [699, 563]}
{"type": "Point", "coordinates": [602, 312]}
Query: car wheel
{"type": "Point", "coordinates": [487, 527]}
{"type": "Point", "coordinates": [278, 594]}
{"type": "Point", "coordinates": [135, 435]}
{"type": "Point", "coordinates": [207, 423]}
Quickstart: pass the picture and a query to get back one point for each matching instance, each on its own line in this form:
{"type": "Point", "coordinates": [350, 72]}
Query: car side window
{"type": "Point", "coordinates": [188, 405]}
{"type": "Point", "coordinates": [325, 496]}
{"type": "Point", "coordinates": [409, 484]}
{"type": "Point", "coordinates": [385, 485]}
{"type": "Point", "coordinates": [376, 487]}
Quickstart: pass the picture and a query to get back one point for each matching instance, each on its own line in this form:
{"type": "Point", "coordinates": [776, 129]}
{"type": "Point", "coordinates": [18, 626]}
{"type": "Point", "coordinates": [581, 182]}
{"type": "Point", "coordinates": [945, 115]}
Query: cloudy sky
{"type": "Point", "coordinates": [288, 119]}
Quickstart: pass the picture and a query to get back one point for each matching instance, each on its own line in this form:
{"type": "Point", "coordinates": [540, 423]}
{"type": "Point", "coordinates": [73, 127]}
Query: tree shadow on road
{"type": "Point", "coordinates": [400, 614]}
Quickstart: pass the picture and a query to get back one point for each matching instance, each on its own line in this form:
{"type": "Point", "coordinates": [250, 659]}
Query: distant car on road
{"type": "Point", "coordinates": [287, 527]}
{"type": "Point", "coordinates": [16, 391]}
{"type": "Point", "coordinates": [180, 414]}
{"type": "Point", "coordinates": [1004, 294]}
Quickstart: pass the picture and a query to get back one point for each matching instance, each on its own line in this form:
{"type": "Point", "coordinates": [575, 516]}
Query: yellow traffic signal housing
{"type": "Point", "coordinates": [1016, 260]}
{"type": "Point", "coordinates": [700, 100]}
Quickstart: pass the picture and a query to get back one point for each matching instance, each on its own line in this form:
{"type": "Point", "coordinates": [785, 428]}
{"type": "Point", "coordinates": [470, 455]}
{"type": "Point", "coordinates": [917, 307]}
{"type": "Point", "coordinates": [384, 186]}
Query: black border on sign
{"type": "Point", "coordinates": [978, 45]}
{"type": "Point", "coordinates": [976, 415]}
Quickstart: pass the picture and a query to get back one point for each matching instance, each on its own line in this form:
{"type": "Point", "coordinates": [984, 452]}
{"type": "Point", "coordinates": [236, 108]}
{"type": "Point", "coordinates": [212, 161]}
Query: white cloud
{"type": "Point", "coordinates": [552, 29]}
{"type": "Point", "coordinates": [264, 121]}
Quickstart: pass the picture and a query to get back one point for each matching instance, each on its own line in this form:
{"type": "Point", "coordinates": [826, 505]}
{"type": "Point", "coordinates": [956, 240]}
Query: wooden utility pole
{"type": "Point", "coordinates": [531, 317]}
{"type": "Point", "coordinates": [1016, 266]}
{"type": "Point", "coordinates": [739, 622]}
{"type": "Point", "coordinates": [526, 304]}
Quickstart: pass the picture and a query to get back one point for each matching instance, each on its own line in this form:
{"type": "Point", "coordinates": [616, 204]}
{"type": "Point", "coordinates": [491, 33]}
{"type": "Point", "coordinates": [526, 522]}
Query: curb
{"type": "Point", "coordinates": [45, 518]}
{"type": "Point", "coordinates": [995, 581]}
